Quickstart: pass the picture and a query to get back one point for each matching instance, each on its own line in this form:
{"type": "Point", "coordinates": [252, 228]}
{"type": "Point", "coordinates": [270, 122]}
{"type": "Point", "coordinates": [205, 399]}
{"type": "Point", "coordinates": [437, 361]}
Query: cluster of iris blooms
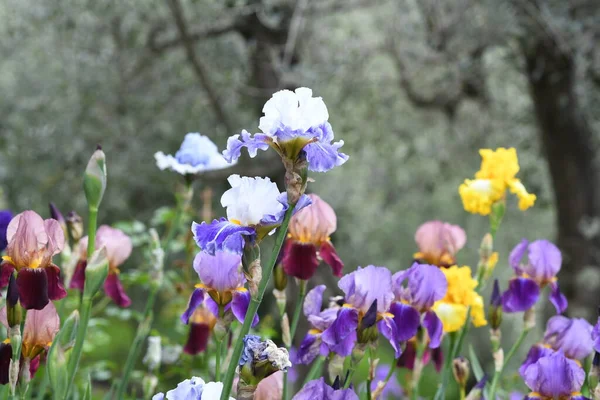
{"type": "Point", "coordinates": [413, 311]}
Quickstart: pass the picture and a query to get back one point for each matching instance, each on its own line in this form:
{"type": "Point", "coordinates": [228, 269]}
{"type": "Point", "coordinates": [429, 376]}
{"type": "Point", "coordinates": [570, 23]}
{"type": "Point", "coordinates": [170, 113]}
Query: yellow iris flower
{"type": "Point", "coordinates": [461, 294]}
{"type": "Point", "coordinates": [496, 174]}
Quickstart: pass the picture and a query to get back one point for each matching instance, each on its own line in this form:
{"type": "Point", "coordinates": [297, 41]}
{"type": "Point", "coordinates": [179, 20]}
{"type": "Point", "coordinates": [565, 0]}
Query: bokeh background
{"type": "Point", "coordinates": [414, 88]}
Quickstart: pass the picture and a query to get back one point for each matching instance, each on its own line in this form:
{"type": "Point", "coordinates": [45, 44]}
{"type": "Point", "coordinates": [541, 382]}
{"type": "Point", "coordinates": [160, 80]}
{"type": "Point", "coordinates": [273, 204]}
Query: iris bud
{"type": "Point", "coordinates": [75, 226]}
{"type": "Point", "coordinates": [94, 179]}
{"type": "Point", "coordinates": [461, 370]}
{"type": "Point", "coordinates": [95, 272]}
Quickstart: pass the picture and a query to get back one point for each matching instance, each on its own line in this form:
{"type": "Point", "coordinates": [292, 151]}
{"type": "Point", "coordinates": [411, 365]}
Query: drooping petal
{"type": "Point", "coordinates": [221, 235]}
{"type": "Point", "coordinates": [545, 261]}
{"type": "Point", "coordinates": [521, 295]}
{"type": "Point", "coordinates": [195, 301]}
{"type": "Point", "coordinates": [114, 289]}
{"type": "Point", "coordinates": [365, 285]}
{"type": "Point", "coordinates": [434, 327]}
{"type": "Point", "coordinates": [221, 271]}
{"type": "Point", "coordinates": [407, 320]}
{"type": "Point", "coordinates": [516, 255]}
{"type": "Point", "coordinates": [254, 143]}
{"type": "Point", "coordinates": [313, 301]}
{"type": "Point", "coordinates": [197, 338]}
{"type": "Point", "coordinates": [309, 349]}
{"type": "Point", "coordinates": [6, 270]}
{"type": "Point", "coordinates": [387, 327]}
{"type": "Point", "coordinates": [324, 156]}
{"type": "Point", "coordinates": [239, 305]}
{"type": "Point", "coordinates": [33, 288]}
{"type": "Point", "coordinates": [5, 356]}
{"type": "Point", "coordinates": [554, 376]}
{"type": "Point", "coordinates": [329, 255]}
{"type": "Point", "coordinates": [56, 290]}
{"type": "Point", "coordinates": [299, 259]}
{"type": "Point", "coordinates": [78, 279]}
{"type": "Point", "coordinates": [558, 300]}
{"type": "Point", "coordinates": [408, 357]}
{"type": "Point", "coordinates": [437, 355]}
{"type": "Point", "coordinates": [340, 337]}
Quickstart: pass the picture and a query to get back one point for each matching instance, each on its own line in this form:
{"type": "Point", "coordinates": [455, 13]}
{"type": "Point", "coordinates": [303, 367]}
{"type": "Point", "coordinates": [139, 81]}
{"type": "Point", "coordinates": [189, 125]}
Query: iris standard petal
{"type": "Point", "coordinates": [365, 285]}
{"type": "Point", "coordinates": [313, 301]}
{"type": "Point", "coordinates": [221, 271]}
{"type": "Point", "coordinates": [545, 261]}
{"type": "Point", "coordinates": [516, 255]}
{"type": "Point", "coordinates": [536, 352]}
{"type": "Point", "coordinates": [572, 336]}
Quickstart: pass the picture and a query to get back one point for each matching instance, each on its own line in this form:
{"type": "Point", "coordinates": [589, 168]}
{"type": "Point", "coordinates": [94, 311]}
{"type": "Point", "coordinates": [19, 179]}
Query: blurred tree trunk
{"type": "Point", "coordinates": [567, 140]}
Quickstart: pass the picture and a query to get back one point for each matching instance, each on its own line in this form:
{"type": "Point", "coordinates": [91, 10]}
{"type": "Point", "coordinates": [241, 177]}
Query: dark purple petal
{"type": "Point", "coordinates": [365, 285]}
{"type": "Point", "coordinates": [434, 327]}
{"type": "Point", "coordinates": [5, 356]}
{"type": "Point", "coordinates": [521, 295]}
{"type": "Point", "coordinates": [340, 337]}
{"type": "Point", "coordinates": [309, 349]}
{"type": "Point", "coordinates": [221, 235]}
{"type": "Point", "coordinates": [33, 288]}
{"type": "Point", "coordinates": [544, 261]}
{"type": "Point", "coordinates": [408, 357]}
{"type": "Point", "coordinates": [572, 336]}
{"type": "Point", "coordinates": [5, 217]}
{"type": "Point", "coordinates": [300, 260]}
{"type": "Point", "coordinates": [407, 320]}
{"type": "Point", "coordinates": [239, 305]}
{"type": "Point", "coordinates": [536, 352]}
{"type": "Point", "coordinates": [314, 301]}
{"type": "Point", "coordinates": [387, 327]}
{"type": "Point", "coordinates": [329, 255]}
{"type": "Point", "coordinates": [197, 338]}
{"type": "Point", "coordinates": [6, 271]}
{"type": "Point", "coordinates": [437, 355]}
{"type": "Point", "coordinates": [558, 300]}
{"type": "Point", "coordinates": [114, 289]}
{"type": "Point", "coordinates": [196, 299]}
{"type": "Point", "coordinates": [78, 279]}
{"type": "Point", "coordinates": [221, 271]}
{"type": "Point", "coordinates": [516, 255]}
{"type": "Point", "coordinates": [495, 298]}
{"type": "Point", "coordinates": [554, 376]}
{"type": "Point", "coordinates": [56, 290]}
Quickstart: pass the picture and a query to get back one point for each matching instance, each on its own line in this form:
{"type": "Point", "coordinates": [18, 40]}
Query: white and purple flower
{"type": "Point", "coordinates": [544, 262]}
{"type": "Point", "coordinates": [426, 284]}
{"type": "Point", "coordinates": [293, 122]}
{"type": "Point", "coordinates": [196, 154]}
{"type": "Point", "coordinates": [193, 389]}
{"type": "Point", "coordinates": [222, 286]}
{"type": "Point", "coordinates": [255, 207]}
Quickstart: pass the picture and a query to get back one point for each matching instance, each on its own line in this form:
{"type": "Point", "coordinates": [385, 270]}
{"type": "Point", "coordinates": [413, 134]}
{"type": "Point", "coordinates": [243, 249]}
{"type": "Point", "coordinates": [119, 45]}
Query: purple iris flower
{"type": "Point", "coordinates": [426, 284]}
{"type": "Point", "coordinates": [319, 390]}
{"type": "Point", "coordinates": [222, 285]}
{"type": "Point", "coordinates": [554, 377]}
{"type": "Point", "coordinates": [596, 336]}
{"type": "Point", "coordinates": [255, 207]}
{"type": "Point", "coordinates": [5, 217]}
{"type": "Point", "coordinates": [544, 262]}
{"type": "Point", "coordinates": [392, 389]}
{"type": "Point", "coordinates": [320, 320]}
{"type": "Point", "coordinates": [571, 336]}
{"type": "Point", "coordinates": [293, 122]}
{"type": "Point", "coordinates": [368, 295]}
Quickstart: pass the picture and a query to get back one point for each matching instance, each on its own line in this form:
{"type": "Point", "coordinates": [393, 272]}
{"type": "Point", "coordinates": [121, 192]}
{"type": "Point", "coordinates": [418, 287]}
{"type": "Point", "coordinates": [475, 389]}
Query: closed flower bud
{"type": "Point", "coordinates": [529, 319]}
{"type": "Point", "coordinates": [14, 314]}
{"type": "Point", "coordinates": [75, 226]}
{"type": "Point", "coordinates": [280, 278]}
{"type": "Point", "coordinates": [495, 309]}
{"type": "Point", "coordinates": [95, 272]}
{"type": "Point", "coordinates": [94, 179]}
{"type": "Point", "coordinates": [461, 370]}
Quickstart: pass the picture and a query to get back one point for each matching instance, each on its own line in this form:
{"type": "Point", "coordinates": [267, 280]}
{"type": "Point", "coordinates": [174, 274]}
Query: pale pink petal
{"type": "Point", "coordinates": [26, 235]}
{"type": "Point", "coordinates": [314, 223]}
{"type": "Point", "coordinates": [83, 242]}
{"type": "Point", "coordinates": [428, 238]}
{"type": "Point", "coordinates": [56, 237]}
{"type": "Point", "coordinates": [118, 244]}
{"type": "Point", "coordinates": [270, 388]}
{"type": "Point", "coordinates": [41, 326]}
{"type": "Point", "coordinates": [456, 236]}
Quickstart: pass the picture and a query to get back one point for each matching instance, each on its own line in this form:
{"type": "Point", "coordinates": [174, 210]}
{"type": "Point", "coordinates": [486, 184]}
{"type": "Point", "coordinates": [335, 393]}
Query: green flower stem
{"type": "Point", "coordinates": [295, 319]}
{"type": "Point", "coordinates": [315, 369]}
{"type": "Point", "coordinates": [371, 358]}
{"type": "Point", "coordinates": [85, 307]}
{"type": "Point", "coordinates": [418, 369]}
{"type": "Point", "coordinates": [455, 345]}
{"type": "Point", "coordinates": [351, 371]}
{"type": "Point", "coordinates": [219, 350]}
{"type": "Point", "coordinates": [254, 303]}
{"type": "Point", "coordinates": [508, 357]}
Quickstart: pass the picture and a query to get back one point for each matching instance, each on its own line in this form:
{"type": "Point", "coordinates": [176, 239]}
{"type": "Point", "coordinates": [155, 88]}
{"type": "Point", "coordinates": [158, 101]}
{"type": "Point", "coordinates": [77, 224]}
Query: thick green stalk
{"type": "Point", "coordinates": [219, 341]}
{"type": "Point", "coordinates": [510, 355]}
{"type": "Point", "coordinates": [85, 307]}
{"type": "Point", "coordinates": [254, 303]}
{"type": "Point", "coordinates": [315, 369]}
{"type": "Point", "coordinates": [295, 319]}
